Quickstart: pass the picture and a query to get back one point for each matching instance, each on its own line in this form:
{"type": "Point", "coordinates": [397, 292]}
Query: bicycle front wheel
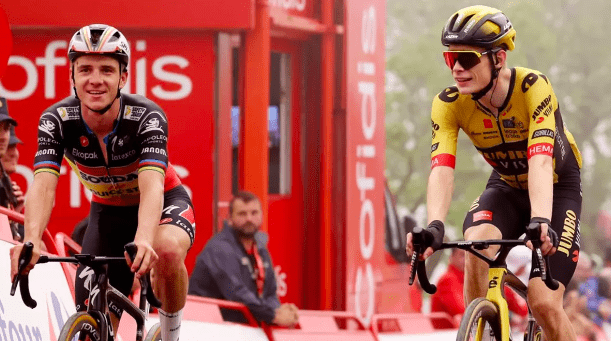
{"type": "Point", "coordinates": [154, 334]}
{"type": "Point", "coordinates": [81, 325]}
{"type": "Point", "coordinates": [480, 322]}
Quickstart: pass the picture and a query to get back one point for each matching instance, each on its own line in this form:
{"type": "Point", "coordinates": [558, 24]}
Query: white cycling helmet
{"type": "Point", "coordinates": [99, 39]}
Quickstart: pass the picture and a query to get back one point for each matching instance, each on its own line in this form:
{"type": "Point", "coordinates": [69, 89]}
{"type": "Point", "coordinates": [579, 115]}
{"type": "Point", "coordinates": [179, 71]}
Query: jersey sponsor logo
{"type": "Point", "coordinates": [45, 152]}
{"type": "Point", "coordinates": [115, 192]}
{"type": "Point", "coordinates": [569, 230]}
{"type": "Point", "coordinates": [510, 123]}
{"type": "Point", "coordinates": [156, 139]}
{"type": "Point", "coordinates": [482, 215]}
{"type": "Point", "coordinates": [435, 128]}
{"type": "Point", "coordinates": [449, 95]}
{"type": "Point", "coordinates": [448, 160]}
{"type": "Point", "coordinates": [68, 113]}
{"type": "Point", "coordinates": [154, 150]}
{"type": "Point", "coordinates": [106, 179]}
{"type": "Point", "coordinates": [165, 221]}
{"type": "Point", "coordinates": [119, 142]}
{"type": "Point", "coordinates": [528, 81]}
{"type": "Point", "coordinates": [540, 148]}
{"type": "Point", "coordinates": [488, 123]}
{"type": "Point", "coordinates": [543, 133]}
{"type": "Point", "coordinates": [133, 113]}
{"type": "Point", "coordinates": [543, 108]}
{"type": "Point", "coordinates": [152, 124]}
{"type": "Point", "coordinates": [540, 119]}
{"type": "Point", "coordinates": [475, 204]}
{"type": "Point", "coordinates": [47, 127]}
{"type": "Point", "coordinates": [45, 141]}
{"type": "Point", "coordinates": [434, 147]}
{"type": "Point", "coordinates": [84, 141]}
{"type": "Point", "coordinates": [84, 155]}
{"type": "Point", "coordinates": [124, 155]}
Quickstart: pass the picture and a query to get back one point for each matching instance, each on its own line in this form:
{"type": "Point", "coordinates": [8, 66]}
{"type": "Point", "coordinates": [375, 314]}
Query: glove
{"type": "Point", "coordinates": [434, 234]}
{"type": "Point", "coordinates": [553, 236]}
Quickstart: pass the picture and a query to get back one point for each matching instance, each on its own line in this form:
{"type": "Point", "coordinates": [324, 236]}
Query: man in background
{"type": "Point", "coordinates": [235, 265]}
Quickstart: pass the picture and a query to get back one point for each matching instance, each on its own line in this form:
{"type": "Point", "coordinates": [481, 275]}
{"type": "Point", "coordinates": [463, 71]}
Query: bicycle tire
{"type": "Point", "coordinates": [480, 309]}
{"type": "Point", "coordinates": [154, 334]}
{"type": "Point", "coordinates": [80, 322]}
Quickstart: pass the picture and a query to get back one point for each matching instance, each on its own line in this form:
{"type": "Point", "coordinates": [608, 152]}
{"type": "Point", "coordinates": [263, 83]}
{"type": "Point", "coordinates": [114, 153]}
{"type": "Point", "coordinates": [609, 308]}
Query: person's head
{"type": "Point", "coordinates": [6, 122]}
{"type": "Point", "coordinates": [245, 215]}
{"type": "Point", "coordinates": [99, 55]}
{"type": "Point", "coordinates": [477, 38]}
{"type": "Point", "coordinates": [11, 157]}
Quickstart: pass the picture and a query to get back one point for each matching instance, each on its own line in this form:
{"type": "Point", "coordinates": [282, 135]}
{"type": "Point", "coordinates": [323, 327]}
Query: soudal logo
{"type": "Point", "coordinates": [543, 106]}
{"type": "Point", "coordinates": [108, 179]}
{"type": "Point", "coordinates": [543, 133]}
{"type": "Point", "coordinates": [83, 155]}
{"type": "Point", "coordinates": [47, 127]}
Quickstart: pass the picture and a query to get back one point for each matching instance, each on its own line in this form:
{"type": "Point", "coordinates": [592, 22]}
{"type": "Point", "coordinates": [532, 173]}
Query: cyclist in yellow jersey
{"type": "Point", "coordinates": [512, 116]}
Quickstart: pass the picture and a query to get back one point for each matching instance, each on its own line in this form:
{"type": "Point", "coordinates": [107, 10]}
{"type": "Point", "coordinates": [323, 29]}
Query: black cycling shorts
{"type": "Point", "coordinates": [508, 209]}
{"type": "Point", "coordinates": [111, 227]}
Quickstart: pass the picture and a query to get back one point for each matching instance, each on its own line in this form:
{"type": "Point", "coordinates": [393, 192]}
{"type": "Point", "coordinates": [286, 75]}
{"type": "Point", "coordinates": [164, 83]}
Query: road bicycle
{"type": "Point", "coordinates": [94, 323]}
{"type": "Point", "coordinates": [488, 318]}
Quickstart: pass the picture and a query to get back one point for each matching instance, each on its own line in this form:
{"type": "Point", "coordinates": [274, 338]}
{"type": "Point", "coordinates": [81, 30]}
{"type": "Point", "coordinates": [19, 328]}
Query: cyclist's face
{"type": "Point", "coordinates": [246, 218]}
{"type": "Point", "coordinates": [96, 80]}
{"type": "Point", "coordinates": [474, 79]}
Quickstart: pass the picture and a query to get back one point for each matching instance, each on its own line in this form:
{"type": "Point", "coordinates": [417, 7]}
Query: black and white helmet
{"type": "Point", "coordinates": [99, 39]}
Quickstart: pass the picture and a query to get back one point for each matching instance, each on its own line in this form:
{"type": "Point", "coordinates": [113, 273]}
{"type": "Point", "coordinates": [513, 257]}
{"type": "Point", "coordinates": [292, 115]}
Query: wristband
{"type": "Point", "coordinates": [541, 220]}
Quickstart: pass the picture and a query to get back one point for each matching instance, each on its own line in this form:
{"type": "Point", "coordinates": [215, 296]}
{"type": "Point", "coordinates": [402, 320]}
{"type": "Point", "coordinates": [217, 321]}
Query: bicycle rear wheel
{"type": "Point", "coordinates": [480, 322]}
{"type": "Point", "coordinates": [154, 334]}
{"type": "Point", "coordinates": [82, 325]}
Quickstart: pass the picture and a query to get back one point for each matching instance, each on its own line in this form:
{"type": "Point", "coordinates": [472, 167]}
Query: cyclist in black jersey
{"type": "Point", "coordinates": [117, 145]}
{"type": "Point", "coordinates": [513, 118]}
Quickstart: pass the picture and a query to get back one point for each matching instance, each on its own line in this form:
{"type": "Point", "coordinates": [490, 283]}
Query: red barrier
{"type": "Point", "coordinates": [410, 323]}
{"type": "Point", "coordinates": [323, 326]}
{"type": "Point", "coordinates": [47, 238]}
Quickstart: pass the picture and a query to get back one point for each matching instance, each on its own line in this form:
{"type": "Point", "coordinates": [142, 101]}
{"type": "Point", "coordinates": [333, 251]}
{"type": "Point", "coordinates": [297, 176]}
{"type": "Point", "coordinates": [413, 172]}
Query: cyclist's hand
{"type": "Point", "coordinates": [548, 239]}
{"type": "Point", "coordinates": [15, 252]}
{"type": "Point", "coordinates": [145, 259]}
{"type": "Point", "coordinates": [409, 248]}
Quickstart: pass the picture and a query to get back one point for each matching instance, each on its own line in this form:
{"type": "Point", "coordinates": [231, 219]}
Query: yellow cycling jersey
{"type": "Point", "coordinates": [528, 123]}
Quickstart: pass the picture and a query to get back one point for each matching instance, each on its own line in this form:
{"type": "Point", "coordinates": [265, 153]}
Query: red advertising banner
{"type": "Point", "coordinates": [302, 8]}
{"type": "Point", "coordinates": [365, 156]}
{"type": "Point", "coordinates": [176, 70]}
{"type": "Point", "coordinates": [163, 14]}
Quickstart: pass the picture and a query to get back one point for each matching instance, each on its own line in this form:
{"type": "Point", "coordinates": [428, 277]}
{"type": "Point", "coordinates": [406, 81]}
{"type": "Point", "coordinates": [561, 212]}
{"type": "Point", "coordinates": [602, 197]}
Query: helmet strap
{"type": "Point", "coordinates": [494, 74]}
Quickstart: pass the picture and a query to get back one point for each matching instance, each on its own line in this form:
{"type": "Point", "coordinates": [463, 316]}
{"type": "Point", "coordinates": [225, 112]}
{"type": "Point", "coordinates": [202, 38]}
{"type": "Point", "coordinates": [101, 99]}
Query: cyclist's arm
{"type": "Point", "coordinates": [150, 183]}
{"type": "Point", "coordinates": [541, 185]}
{"type": "Point", "coordinates": [38, 209]}
{"type": "Point", "coordinates": [38, 206]}
{"type": "Point", "coordinates": [439, 193]}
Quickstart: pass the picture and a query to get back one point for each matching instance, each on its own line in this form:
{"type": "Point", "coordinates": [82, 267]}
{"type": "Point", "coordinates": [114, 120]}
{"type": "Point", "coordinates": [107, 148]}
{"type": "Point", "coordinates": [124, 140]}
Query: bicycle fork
{"type": "Point", "coordinates": [496, 295]}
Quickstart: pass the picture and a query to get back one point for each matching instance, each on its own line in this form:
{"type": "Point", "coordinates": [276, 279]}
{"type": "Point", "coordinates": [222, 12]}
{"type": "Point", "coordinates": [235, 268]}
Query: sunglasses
{"type": "Point", "coordinates": [467, 59]}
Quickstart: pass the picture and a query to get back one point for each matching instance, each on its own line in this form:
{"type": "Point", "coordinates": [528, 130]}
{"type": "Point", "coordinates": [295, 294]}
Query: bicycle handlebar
{"type": "Point", "coordinates": [26, 256]}
{"type": "Point", "coordinates": [421, 241]}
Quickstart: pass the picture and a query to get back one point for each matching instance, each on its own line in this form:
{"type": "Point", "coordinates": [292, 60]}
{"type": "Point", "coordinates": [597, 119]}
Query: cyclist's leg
{"type": "Point", "coordinates": [495, 214]}
{"type": "Point", "coordinates": [172, 241]}
{"type": "Point", "coordinates": [547, 305]}
{"type": "Point", "coordinates": [109, 229]}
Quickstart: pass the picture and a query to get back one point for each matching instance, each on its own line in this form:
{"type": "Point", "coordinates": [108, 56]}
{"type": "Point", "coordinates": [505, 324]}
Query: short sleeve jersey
{"type": "Point", "coordinates": [138, 142]}
{"type": "Point", "coordinates": [529, 123]}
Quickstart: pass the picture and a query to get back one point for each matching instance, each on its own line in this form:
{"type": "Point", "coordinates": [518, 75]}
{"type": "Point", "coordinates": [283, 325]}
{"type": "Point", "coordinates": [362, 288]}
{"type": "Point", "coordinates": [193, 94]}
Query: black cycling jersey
{"type": "Point", "coordinates": [138, 142]}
